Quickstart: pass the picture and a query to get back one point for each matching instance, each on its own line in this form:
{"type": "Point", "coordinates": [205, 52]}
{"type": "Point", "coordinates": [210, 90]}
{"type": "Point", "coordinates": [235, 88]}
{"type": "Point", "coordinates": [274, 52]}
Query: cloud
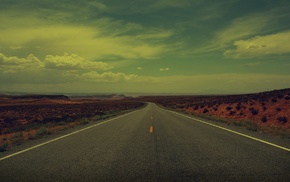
{"type": "Point", "coordinates": [275, 44]}
{"type": "Point", "coordinates": [164, 69]}
{"type": "Point", "coordinates": [100, 6]}
{"type": "Point", "coordinates": [160, 4]}
{"type": "Point", "coordinates": [98, 38]}
{"type": "Point", "coordinates": [113, 77]}
{"type": "Point", "coordinates": [139, 68]}
{"type": "Point", "coordinates": [72, 62]}
{"type": "Point", "coordinates": [13, 63]}
{"type": "Point", "coordinates": [65, 62]}
{"type": "Point", "coordinates": [147, 6]}
{"type": "Point", "coordinates": [246, 27]}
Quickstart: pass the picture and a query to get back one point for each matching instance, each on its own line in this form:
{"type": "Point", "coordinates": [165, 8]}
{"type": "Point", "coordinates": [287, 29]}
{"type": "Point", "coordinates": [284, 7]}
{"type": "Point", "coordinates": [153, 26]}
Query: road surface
{"type": "Point", "coordinates": [150, 144]}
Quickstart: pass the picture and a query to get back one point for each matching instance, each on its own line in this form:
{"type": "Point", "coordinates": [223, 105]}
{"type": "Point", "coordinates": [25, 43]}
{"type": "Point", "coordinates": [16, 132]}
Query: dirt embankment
{"type": "Point", "coordinates": [265, 111]}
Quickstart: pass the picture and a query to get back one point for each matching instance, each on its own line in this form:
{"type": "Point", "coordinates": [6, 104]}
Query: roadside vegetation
{"type": "Point", "coordinates": [20, 123]}
{"type": "Point", "coordinates": [267, 112]}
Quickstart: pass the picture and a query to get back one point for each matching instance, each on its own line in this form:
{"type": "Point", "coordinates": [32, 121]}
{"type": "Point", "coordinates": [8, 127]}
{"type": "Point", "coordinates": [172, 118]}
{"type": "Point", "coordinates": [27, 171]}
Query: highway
{"type": "Point", "coordinates": [150, 144]}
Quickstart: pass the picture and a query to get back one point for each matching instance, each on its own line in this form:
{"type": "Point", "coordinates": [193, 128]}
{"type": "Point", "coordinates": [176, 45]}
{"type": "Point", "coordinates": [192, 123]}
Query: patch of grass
{"type": "Point", "coordinates": [237, 123]}
{"type": "Point", "coordinates": [3, 147]}
{"type": "Point", "coordinates": [42, 131]}
{"type": "Point", "coordinates": [62, 123]}
{"type": "Point", "coordinates": [31, 136]}
{"type": "Point", "coordinates": [250, 125]}
{"type": "Point", "coordinates": [84, 121]}
{"type": "Point", "coordinates": [17, 138]}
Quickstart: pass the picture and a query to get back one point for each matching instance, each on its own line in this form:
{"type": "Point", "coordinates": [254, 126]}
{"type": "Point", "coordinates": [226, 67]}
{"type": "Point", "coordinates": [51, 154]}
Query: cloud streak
{"type": "Point", "coordinates": [113, 77]}
{"type": "Point", "coordinates": [164, 69]}
{"type": "Point", "coordinates": [65, 62]}
{"type": "Point", "coordinates": [73, 62]}
{"type": "Point", "coordinates": [275, 44]}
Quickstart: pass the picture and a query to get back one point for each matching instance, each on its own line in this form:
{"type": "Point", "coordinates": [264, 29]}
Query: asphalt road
{"type": "Point", "coordinates": [150, 144]}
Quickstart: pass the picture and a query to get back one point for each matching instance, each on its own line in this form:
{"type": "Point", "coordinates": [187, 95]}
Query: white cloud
{"type": "Point", "coordinates": [13, 63]}
{"type": "Point", "coordinates": [245, 27]}
{"type": "Point", "coordinates": [113, 77]}
{"type": "Point", "coordinates": [164, 69]}
{"type": "Point", "coordinates": [261, 46]}
{"type": "Point", "coordinates": [65, 62]}
{"type": "Point", "coordinates": [139, 68]}
{"type": "Point", "coordinates": [72, 61]}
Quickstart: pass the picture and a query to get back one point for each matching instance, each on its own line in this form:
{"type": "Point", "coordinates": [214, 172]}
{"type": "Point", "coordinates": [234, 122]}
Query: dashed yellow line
{"type": "Point", "coordinates": [151, 129]}
{"type": "Point", "coordinates": [235, 132]}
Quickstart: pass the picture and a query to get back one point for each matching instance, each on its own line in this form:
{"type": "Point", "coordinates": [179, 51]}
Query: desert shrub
{"type": "Point", "coordinates": [238, 107]}
{"type": "Point", "coordinates": [215, 109]}
{"type": "Point", "coordinates": [278, 109]}
{"type": "Point", "coordinates": [3, 147]}
{"type": "Point", "coordinates": [232, 112]}
{"type": "Point", "coordinates": [252, 126]}
{"type": "Point", "coordinates": [274, 100]}
{"type": "Point", "coordinates": [202, 106]}
{"type": "Point", "coordinates": [196, 107]}
{"type": "Point", "coordinates": [205, 111]}
{"type": "Point", "coordinates": [253, 111]}
{"type": "Point", "coordinates": [31, 136]}
{"type": "Point", "coordinates": [61, 123]}
{"type": "Point", "coordinates": [282, 119]}
{"type": "Point", "coordinates": [228, 108]}
{"type": "Point", "coordinates": [17, 138]}
{"type": "Point", "coordinates": [69, 119]}
{"type": "Point", "coordinates": [264, 108]}
{"type": "Point", "coordinates": [237, 123]}
{"type": "Point", "coordinates": [42, 131]}
{"type": "Point", "coordinates": [84, 121]}
{"type": "Point", "coordinates": [264, 119]}
{"type": "Point", "coordinates": [287, 98]}
{"type": "Point", "coordinates": [280, 96]}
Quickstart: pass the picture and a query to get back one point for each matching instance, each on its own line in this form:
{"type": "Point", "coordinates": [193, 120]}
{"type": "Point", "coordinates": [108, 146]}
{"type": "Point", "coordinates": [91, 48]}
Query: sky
{"type": "Point", "coordinates": [144, 46]}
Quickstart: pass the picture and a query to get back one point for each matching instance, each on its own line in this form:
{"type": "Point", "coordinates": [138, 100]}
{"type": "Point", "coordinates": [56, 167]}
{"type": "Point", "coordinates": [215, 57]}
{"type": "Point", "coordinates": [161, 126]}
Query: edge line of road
{"type": "Point", "coordinates": [232, 131]}
{"type": "Point", "coordinates": [67, 135]}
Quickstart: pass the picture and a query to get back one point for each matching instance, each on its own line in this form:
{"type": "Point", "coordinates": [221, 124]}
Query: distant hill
{"type": "Point", "coordinates": [54, 97]}
{"type": "Point", "coordinates": [99, 97]}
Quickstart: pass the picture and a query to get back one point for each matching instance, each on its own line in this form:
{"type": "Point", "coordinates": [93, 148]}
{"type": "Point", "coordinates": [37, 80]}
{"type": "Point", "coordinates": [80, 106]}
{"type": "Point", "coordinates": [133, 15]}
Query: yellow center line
{"type": "Point", "coordinates": [151, 129]}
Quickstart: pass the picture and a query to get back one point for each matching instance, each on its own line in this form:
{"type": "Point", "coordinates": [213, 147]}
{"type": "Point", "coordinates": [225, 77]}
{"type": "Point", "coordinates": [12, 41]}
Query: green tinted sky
{"type": "Point", "coordinates": [148, 46]}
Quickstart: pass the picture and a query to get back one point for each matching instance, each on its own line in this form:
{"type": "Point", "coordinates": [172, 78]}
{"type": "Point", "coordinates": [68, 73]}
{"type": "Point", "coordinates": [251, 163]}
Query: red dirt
{"type": "Point", "coordinates": [266, 108]}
